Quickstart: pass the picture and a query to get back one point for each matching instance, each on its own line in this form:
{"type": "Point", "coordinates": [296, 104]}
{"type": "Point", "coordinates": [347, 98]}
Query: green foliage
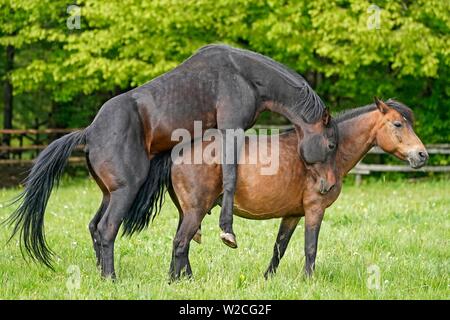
{"type": "Point", "coordinates": [122, 44]}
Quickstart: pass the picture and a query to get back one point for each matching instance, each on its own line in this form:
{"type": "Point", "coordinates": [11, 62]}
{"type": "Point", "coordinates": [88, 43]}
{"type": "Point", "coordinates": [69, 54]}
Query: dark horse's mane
{"type": "Point", "coordinates": [308, 104]}
{"type": "Point", "coordinates": [394, 104]}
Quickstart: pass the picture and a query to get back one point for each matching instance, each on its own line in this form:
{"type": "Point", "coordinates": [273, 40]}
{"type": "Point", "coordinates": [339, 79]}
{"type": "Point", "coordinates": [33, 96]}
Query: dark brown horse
{"type": "Point", "coordinates": [292, 192]}
{"type": "Point", "coordinates": [223, 87]}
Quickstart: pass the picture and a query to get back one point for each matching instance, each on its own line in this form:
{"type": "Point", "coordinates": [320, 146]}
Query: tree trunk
{"type": "Point", "coordinates": [8, 94]}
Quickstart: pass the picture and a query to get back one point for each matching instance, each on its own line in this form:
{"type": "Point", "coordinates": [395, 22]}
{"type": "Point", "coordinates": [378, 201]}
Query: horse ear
{"type": "Point", "coordinates": [326, 117]}
{"type": "Point", "coordinates": [381, 105]}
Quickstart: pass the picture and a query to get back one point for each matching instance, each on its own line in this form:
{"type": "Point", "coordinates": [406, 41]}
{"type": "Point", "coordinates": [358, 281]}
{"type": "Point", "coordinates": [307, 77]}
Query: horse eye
{"type": "Point", "coordinates": [398, 124]}
{"type": "Point", "coordinates": [331, 146]}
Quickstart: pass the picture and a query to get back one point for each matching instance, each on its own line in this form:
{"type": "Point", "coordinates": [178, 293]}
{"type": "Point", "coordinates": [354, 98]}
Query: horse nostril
{"type": "Point", "coordinates": [324, 188]}
{"type": "Point", "coordinates": [423, 155]}
{"type": "Point", "coordinates": [331, 146]}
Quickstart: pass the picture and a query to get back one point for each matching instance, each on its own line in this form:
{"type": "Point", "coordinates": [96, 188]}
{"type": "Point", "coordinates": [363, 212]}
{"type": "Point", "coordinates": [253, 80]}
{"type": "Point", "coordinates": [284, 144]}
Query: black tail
{"type": "Point", "coordinates": [28, 218]}
{"type": "Point", "coordinates": [150, 197]}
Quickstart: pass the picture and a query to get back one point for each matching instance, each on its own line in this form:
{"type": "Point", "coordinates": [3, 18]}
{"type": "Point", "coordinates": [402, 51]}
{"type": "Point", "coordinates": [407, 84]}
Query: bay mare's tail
{"type": "Point", "coordinates": [28, 218]}
{"type": "Point", "coordinates": [149, 200]}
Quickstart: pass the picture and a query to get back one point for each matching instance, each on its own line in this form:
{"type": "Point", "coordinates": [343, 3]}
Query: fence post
{"type": "Point", "coordinates": [37, 141]}
{"type": "Point", "coordinates": [21, 145]}
{"type": "Point", "coordinates": [358, 179]}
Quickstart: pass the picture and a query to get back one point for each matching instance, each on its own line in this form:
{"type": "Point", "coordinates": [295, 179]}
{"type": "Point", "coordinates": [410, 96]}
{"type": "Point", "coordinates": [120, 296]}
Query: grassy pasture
{"type": "Point", "coordinates": [382, 240]}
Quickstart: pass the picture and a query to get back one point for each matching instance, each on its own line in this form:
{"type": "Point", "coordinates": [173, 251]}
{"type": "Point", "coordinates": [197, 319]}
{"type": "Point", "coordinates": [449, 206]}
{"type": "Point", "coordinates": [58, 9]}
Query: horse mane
{"type": "Point", "coordinates": [308, 104]}
{"type": "Point", "coordinates": [394, 104]}
{"type": "Point", "coordinates": [333, 124]}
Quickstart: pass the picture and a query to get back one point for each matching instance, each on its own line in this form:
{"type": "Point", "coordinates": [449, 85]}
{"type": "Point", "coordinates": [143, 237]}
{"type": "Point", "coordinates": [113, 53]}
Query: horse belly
{"type": "Point", "coordinates": [267, 196]}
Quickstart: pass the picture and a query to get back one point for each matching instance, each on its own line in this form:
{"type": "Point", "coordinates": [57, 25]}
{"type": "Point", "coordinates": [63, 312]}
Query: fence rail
{"type": "Point", "coordinates": [39, 139]}
{"type": "Point", "coordinates": [25, 145]}
{"type": "Point", "coordinates": [433, 149]}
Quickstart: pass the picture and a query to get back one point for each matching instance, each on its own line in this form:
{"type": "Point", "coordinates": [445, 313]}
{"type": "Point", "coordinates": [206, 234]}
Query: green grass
{"type": "Point", "coordinates": [400, 227]}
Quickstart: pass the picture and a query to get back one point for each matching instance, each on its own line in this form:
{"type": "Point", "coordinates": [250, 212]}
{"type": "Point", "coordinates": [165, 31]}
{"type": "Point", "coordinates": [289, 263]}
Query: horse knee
{"type": "Point", "coordinates": [229, 185]}
{"type": "Point", "coordinates": [229, 176]}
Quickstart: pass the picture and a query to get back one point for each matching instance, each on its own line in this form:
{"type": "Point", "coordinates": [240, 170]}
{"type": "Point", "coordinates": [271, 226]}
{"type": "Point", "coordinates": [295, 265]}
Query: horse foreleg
{"type": "Point", "coordinates": [313, 220]}
{"type": "Point", "coordinates": [287, 228]}
{"type": "Point", "coordinates": [230, 154]}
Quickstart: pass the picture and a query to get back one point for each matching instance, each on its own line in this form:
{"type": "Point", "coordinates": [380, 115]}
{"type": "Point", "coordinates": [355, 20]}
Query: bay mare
{"type": "Point", "coordinates": [125, 145]}
{"type": "Point", "coordinates": [290, 194]}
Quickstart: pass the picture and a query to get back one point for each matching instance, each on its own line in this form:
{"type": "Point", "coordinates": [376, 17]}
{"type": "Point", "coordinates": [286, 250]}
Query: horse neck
{"type": "Point", "coordinates": [280, 100]}
{"type": "Point", "coordinates": [356, 137]}
{"type": "Point", "coordinates": [290, 98]}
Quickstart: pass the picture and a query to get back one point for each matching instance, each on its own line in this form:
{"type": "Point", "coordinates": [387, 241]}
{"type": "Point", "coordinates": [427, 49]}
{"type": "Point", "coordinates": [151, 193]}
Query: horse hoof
{"type": "Point", "coordinates": [269, 274]}
{"type": "Point", "coordinates": [198, 237]}
{"type": "Point", "coordinates": [173, 279]}
{"type": "Point", "coordinates": [109, 277]}
{"type": "Point", "coordinates": [229, 239]}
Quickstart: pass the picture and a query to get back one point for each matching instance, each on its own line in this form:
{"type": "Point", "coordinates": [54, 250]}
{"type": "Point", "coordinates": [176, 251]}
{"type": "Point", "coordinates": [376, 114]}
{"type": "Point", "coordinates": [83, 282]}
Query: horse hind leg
{"type": "Point", "coordinates": [109, 224]}
{"type": "Point", "coordinates": [180, 265]}
{"type": "Point", "coordinates": [118, 156]}
{"type": "Point", "coordinates": [193, 201]}
{"type": "Point", "coordinates": [176, 202]}
{"type": "Point", "coordinates": [123, 179]}
{"type": "Point", "coordinates": [99, 214]}
{"type": "Point", "coordinates": [93, 227]}
{"type": "Point", "coordinates": [198, 235]}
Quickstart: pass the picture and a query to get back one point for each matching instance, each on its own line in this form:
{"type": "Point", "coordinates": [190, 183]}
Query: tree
{"type": "Point", "coordinates": [8, 92]}
{"type": "Point", "coordinates": [335, 44]}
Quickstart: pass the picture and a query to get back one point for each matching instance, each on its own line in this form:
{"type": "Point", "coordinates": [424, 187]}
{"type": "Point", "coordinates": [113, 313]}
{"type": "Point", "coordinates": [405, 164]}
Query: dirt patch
{"type": "Point", "coordinates": [11, 176]}
{"type": "Point", "coordinates": [14, 175]}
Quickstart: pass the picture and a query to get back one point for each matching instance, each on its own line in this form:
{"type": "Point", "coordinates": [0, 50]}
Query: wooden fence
{"type": "Point", "coordinates": [26, 145]}
{"type": "Point", "coordinates": [433, 149]}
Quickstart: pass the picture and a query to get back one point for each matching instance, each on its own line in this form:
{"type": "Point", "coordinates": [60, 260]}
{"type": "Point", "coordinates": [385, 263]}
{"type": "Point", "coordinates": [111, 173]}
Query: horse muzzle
{"type": "Point", "coordinates": [418, 158]}
{"type": "Point", "coordinates": [325, 187]}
